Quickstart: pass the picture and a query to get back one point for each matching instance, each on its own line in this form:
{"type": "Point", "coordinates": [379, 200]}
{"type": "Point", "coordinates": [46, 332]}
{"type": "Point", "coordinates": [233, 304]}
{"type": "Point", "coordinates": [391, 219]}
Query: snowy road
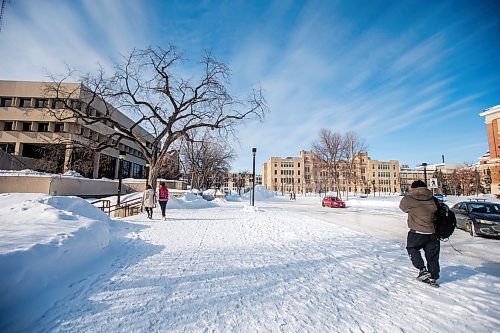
{"type": "Point", "coordinates": [389, 223]}
{"type": "Point", "coordinates": [227, 269]}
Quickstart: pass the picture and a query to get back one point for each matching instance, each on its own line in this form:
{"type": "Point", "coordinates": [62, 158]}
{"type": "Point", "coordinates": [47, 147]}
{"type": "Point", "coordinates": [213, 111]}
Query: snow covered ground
{"type": "Point", "coordinates": [282, 266]}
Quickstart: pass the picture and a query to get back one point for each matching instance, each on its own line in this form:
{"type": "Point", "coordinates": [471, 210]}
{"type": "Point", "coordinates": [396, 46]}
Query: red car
{"type": "Point", "coordinates": [332, 202]}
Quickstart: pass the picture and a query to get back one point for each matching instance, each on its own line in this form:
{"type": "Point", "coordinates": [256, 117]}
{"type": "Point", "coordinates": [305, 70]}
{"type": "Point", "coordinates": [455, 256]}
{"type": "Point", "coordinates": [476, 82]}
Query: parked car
{"type": "Point", "coordinates": [440, 197]}
{"type": "Point", "coordinates": [332, 202]}
{"type": "Point", "coordinates": [478, 217]}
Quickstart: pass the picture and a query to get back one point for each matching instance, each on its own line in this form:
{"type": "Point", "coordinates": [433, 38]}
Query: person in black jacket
{"type": "Point", "coordinates": [421, 209]}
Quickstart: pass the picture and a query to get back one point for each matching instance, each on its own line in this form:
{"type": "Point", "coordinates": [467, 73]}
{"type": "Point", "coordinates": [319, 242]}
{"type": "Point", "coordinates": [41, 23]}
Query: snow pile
{"type": "Point", "coordinates": [189, 201]}
{"type": "Point", "coordinates": [44, 239]}
{"type": "Point", "coordinates": [73, 173]}
{"type": "Point", "coordinates": [26, 172]}
{"type": "Point", "coordinates": [261, 194]}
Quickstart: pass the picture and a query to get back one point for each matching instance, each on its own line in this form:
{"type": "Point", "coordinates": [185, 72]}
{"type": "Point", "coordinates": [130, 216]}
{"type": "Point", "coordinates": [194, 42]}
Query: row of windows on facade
{"type": "Point", "coordinates": [287, 180]}
{"type": "Point", "coordinates": [286, 164]}
{"type": "Point", "coordinates": [341, 181]}
{"type": "Point", "coordinates": [287, 172]}
{"type": "Point", "coordinates": [59, 128]}
{"type": "Point", "coordinates": [384, 174]}
{"type": "Point", "coordinates": [26, 126]}
{"type": "Point", "coordinates": [28, 102]}
{"type": "Point", "coordinates": [33, 102]}
{"type": "Point", "coordinates": [384, 166]}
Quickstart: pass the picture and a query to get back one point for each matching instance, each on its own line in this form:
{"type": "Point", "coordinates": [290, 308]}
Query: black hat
{"type": "Point", "coordinates": [418, 183]}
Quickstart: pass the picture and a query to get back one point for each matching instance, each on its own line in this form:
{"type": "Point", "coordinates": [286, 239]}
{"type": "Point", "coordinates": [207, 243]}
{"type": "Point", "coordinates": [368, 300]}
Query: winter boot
{"type": "Point", "coordinates": [423, 275]}
{"type": "Point", "coordinates": [432, 282]}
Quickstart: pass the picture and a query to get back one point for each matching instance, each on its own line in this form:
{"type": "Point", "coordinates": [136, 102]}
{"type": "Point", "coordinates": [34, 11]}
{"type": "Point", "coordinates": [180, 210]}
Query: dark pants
{"type": "Point", "coordinates": [149, 210]}
{"type": "Point", "coordinates": [163, 206]}
{"type": "Point", "coordinates": [430, 244]}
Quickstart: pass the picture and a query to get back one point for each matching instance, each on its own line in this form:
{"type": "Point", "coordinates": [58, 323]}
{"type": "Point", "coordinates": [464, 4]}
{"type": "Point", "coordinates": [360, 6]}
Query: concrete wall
{"type": "Point", "coordinates": [60, 185]}
{"type": "Point", "coordinates": [24, 184]}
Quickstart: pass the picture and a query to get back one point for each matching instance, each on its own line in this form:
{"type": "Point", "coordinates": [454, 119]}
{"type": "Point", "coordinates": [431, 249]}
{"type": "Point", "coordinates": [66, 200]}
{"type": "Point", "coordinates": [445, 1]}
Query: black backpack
{"type": "Point", "coordinates": [445, 222]}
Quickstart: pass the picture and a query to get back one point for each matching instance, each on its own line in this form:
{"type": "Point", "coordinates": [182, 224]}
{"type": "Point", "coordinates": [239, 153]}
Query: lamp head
{"type": "Point", "coordinates": [122, 154]}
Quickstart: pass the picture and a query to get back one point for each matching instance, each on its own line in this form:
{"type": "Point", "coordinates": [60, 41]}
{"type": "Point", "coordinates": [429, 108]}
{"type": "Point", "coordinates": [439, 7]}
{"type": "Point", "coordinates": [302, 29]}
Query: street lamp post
{"type": "Point", "coordinates": [373, 182]}
{"type": "Point", "coordinates": [254, 152]}
{"type": "Point", "coordinates": [121, 157]}
{"type": "Point", "coordinates": [425, 172]}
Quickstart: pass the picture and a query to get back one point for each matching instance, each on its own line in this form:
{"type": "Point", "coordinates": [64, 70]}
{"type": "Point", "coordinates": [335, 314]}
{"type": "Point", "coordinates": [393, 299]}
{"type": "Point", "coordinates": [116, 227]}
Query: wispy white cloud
{"type": "Point", "coordinates": [38, 38]}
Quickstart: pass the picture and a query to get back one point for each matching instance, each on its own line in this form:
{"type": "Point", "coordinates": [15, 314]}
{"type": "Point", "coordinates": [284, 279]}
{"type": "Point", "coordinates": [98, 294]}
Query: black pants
{"type": "Point", "coordinates": [430, 244]}
{"type": "Point", "coordinates": [149, 210]}
{"type": "Point", "coordinates": [163, 206]}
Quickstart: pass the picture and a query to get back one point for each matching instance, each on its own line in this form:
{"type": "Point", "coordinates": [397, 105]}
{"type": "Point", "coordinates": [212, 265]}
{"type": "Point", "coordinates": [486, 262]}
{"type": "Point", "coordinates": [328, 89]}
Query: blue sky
{"type": "Point", "coordinates": [411, 77]}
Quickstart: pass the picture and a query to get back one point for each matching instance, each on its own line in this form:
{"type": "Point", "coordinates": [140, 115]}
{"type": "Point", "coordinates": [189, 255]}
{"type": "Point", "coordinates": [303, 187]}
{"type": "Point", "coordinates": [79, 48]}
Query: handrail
{"type": "Point", "coordinates": [129, 207]}
{"type": "Point", "coordinates": [106, 204]}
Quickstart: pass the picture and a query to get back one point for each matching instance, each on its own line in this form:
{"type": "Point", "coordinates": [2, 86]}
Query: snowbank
{"type": "Point", "coordinates": [45, 239]}
{"type": "Point", "coordinates": [261, 194]}
{"type": "Point", "coordinates": [189, 201]}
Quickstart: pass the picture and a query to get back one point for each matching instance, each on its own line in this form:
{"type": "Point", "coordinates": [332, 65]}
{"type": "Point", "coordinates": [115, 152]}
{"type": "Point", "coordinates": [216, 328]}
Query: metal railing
{"type": "Point", "coordinates": [106, 205]}
{"type": "Point", "coordinates": [128, 208]}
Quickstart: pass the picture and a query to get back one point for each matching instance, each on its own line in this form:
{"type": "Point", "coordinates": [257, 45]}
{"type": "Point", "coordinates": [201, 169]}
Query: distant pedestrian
{"type": "Point", "coordinates": [149, 200]}
{"type": "Point", "coordinates": [163, 199]}
{"type": "Point", "coordinates": [421, 208]}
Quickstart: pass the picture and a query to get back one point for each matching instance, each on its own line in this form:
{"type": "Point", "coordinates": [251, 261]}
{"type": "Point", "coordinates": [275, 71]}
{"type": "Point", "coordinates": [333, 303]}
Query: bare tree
{"type": "Point", "coordinates": [206, 159]}
{"type": "Point", "coordinates": [329, 150]}
{"type": "Point", "coordinates": [147, 88]}
{"type": "Point", "coordinates": [354, 145]}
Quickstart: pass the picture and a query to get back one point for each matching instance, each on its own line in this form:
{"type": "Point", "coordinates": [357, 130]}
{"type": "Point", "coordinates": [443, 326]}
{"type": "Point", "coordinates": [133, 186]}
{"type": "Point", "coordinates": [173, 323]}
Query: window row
{"type": "Point", "coordinates": [34, 102]}
{"type": "Point", "coordinates": [28, 126]}
{"type": "Point", "coordinates": [287, 180]}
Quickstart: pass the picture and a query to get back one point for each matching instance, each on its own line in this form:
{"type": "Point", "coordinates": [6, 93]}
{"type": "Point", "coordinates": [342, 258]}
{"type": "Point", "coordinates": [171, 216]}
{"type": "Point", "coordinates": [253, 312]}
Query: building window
{"type": "Point", "coordinates": [76, 104]}
{"type": "Point", "coordinates": [43, 127]}
{"type": "Point", "coordinates": [25, 102]}
{"type": "Point", "coordinates": [6, 101]}
{"type": "Point", "coordinates": [59, 127]}
{"type": "Point", "coordinates": [41, 103]}
{"type": "Point", "coordinates": [9, 148]}
{"type": "Point", "coordinates": [59, 105]}
{"type": "Point", "coordinates": [8, 125]}
{"type": "Point", "coordinates": [26, 127]}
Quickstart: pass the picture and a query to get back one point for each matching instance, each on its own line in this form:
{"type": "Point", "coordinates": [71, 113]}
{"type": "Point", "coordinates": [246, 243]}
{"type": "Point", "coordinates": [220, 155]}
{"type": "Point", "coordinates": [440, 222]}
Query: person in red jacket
{"type": "Point", "coordinates": [163, 199]}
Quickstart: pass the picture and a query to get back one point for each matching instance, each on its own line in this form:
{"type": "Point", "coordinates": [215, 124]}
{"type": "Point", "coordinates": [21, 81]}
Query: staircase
{"type": "Point", "coordinates": [9, 162]}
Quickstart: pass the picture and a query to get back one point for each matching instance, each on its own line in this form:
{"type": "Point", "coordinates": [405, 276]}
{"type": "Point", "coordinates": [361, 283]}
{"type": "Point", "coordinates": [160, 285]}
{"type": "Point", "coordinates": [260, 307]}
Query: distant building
{"type": "Point", "coordinates": [491, 163]}
{"type": "Point", "coordinates": [409, 175]}
{"type": "Point", "coordinates": [305, 174]}
{"type": "Point", "coordinates": [28, 132]}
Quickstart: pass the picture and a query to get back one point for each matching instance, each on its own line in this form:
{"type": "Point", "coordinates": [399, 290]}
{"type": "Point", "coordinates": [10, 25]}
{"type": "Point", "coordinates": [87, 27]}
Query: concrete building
{"type": "Point", "coordinates": [305, 174]}
{"type": "Point", "coordinates": [239, 182]}
{"type": "Point", "coordinates": [288, 174]}
{"type": "Point", "coordinates": [491, 163]}
{"type": "Point", "coordinates": [30, 131]}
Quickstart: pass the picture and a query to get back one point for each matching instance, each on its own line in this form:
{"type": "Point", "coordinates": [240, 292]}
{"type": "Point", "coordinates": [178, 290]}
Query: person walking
{"type": "Point", "coordinates": [421, 210]}
{"type": "Point", "coordinates": [163, 199]}
{"type": "Point", "coordinates": [149, 200]}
